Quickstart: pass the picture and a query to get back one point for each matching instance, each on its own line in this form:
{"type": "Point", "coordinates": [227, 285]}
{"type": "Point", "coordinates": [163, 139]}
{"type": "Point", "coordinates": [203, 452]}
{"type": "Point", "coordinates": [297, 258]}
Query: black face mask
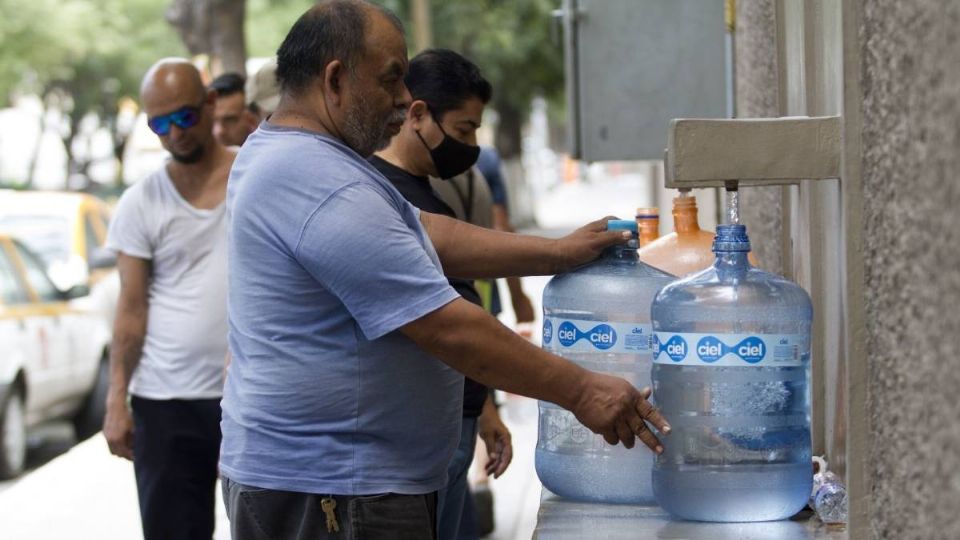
{"type": "Point", "coordinates": [451, 157]}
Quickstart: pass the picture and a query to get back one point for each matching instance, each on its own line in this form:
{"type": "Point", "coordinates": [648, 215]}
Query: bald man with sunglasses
{"type": "Point", "coordinates": [169, 339]}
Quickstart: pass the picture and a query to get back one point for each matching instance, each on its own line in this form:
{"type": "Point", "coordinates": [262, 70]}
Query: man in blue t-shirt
{"type": "Point", "coordinates": [342, 406]}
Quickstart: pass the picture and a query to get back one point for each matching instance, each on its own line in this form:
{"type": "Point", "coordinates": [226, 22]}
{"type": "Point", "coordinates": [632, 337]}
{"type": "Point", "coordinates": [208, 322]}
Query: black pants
{"type": "Point", "coordinates": [176, 447]}
{"type": "Point", "coordinates": [266, 514]}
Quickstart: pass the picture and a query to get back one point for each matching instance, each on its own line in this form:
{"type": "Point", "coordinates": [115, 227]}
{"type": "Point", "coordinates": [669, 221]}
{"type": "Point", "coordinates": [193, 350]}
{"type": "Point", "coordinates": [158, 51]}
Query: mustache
{"type": "Point", "coordinates": [398, 116]}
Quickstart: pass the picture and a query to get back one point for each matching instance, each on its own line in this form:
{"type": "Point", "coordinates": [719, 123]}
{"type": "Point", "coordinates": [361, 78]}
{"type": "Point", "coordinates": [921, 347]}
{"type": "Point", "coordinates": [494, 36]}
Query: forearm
{"type": "Point", "coordinates": [514, 286]}
{"type": "Point", "coordinates": [501, 219]}
{"type": "Point", "coordinates": [473, 342]}
{"type": "Point", "coordinates": [489, 407]}
{"type": "Point", "coordinates": [469, 251]}
{"type": "Point", "coordinates": [125, 352]}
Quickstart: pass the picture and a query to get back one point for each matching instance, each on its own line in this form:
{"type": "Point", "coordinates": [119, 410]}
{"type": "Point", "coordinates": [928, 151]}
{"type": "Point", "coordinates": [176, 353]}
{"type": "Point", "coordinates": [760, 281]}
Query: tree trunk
{"type": "Point", "coordinates": [214, 28]}
{"type": "Point", "coordinates": [509, 140]}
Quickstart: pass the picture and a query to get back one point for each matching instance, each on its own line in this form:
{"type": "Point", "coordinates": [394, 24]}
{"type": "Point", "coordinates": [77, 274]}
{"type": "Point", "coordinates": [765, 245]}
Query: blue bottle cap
{"type": "Point", "coordinates": [622, 225]}
{"type": "Point", "coordinates": [731, 238]}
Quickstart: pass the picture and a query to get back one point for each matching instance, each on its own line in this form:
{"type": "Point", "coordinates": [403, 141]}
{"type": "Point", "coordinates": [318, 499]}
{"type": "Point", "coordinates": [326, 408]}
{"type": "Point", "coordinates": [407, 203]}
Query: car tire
{"type": "Point", "coordinates": [89, 419]}
{"type": "Point", "coordinates": [13, 434]}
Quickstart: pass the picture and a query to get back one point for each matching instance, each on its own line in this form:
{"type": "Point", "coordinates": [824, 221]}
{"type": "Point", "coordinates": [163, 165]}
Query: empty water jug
{"type": "Point", "coordinates": [599, 317]}
{"type": "Point", "coordinates": [688, 248]}
{"type": "Point", "coordinates": [731, 373]}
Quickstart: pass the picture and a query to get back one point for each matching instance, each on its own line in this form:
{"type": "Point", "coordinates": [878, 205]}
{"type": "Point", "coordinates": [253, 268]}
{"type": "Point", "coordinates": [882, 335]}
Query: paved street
{"type": "Point", "coordinates": [43, 445]}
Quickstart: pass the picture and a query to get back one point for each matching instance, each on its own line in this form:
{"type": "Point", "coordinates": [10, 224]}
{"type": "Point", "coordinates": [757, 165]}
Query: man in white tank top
{"type": "Point", "coordinates": [169, 342]}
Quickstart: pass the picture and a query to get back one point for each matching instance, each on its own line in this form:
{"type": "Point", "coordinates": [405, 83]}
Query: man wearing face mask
{"type": "Point", "coordinates": [438, 139]}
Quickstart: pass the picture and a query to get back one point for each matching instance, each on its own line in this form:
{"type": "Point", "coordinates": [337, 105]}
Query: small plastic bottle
{"type": "Point", "coordinates": [829, 496]}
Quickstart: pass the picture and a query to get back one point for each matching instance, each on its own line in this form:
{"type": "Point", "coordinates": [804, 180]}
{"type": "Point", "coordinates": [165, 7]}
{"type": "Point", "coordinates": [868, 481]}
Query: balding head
{"type": "Point", "coordinates": [331, 30]}
{"type": "Point", "coordinates": [172, 78]}
{"type": "Point", "coordinates": [171, 85]}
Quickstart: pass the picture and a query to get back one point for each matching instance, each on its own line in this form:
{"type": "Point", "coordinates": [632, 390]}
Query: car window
{"type": "Point", "coordinates": [47, 236]}
{"type": "Point", "coordinates": [11, 291]}
{"type": "Point", "coordinates": [37, 276]}
{"type": "Point", "coordinates": [93, 242]}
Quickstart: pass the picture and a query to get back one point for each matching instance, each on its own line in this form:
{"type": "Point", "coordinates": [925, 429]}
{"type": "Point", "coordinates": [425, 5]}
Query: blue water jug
{"type": "Point", "coordinates": [598, 317]}
{"type": "Point", "coordinates": [731, 373]}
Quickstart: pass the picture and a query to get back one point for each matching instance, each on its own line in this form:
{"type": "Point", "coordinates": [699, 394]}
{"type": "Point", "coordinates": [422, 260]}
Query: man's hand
{"type": "Point", "coordinates": [612, 407]}
{"type": "Point", "coordinates": [118, 427]}
{"type": "Point", "coordinates": [496, 437]}
{"type": "Point", "coordinates": [587, 243]}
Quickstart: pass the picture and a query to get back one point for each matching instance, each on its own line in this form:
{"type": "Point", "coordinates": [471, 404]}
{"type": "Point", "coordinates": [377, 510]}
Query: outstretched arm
{"type": "Point", "coordinates": [470, 340]}
{"type": "Point", "coordinates": [468, 251]}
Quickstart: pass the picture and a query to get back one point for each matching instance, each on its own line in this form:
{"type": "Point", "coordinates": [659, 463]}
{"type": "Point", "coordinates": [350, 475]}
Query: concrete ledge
{"type": "Point", "coordinates": [755, 151]}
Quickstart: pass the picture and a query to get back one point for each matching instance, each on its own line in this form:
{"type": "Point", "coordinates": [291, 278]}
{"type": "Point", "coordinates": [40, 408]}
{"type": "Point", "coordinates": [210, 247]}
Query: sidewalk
{"type": "Point", "coordinates": [89, 494]}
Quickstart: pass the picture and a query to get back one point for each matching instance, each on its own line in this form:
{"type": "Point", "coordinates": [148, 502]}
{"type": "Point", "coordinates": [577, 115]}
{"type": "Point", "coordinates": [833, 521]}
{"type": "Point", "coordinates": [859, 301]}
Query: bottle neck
{"type": "Point", "coordinates": [625, 252]}
{"type": "Point", "coordinates": [685, 215]}
{"type": "Point", "coordinates": [732, 264]}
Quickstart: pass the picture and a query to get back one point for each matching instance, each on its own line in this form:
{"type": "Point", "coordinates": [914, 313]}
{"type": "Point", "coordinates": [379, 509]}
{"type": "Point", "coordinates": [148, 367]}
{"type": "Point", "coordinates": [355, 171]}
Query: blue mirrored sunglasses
{"type": "Point", "coordinates": [184, 117]}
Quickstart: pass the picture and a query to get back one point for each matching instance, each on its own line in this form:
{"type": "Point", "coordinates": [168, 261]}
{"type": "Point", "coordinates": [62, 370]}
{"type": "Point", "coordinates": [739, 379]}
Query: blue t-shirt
{"type": "Point", "coordinates": [491, 168]}
{"type": "Point", "coordinates": [326, 262]}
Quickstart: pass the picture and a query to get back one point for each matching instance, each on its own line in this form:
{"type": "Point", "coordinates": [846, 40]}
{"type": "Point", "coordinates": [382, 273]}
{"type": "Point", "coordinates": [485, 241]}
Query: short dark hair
{"type": "Point", "coordinates": [332, 30]}
{"type": "Point", "coordinates": [228, 84]}
{"type": "Point", "coordinates": [445, 80]}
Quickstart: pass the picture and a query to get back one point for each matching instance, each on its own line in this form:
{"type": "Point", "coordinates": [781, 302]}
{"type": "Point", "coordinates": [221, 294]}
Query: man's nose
{"type": "Point", "coordinates": [176, 131]}
{"type": "Point", "coordinates": [403, 99]}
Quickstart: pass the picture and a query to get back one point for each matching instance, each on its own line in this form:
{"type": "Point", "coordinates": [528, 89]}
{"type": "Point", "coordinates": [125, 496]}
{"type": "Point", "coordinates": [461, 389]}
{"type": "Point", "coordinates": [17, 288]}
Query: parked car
{"type": "Point", "coordinates": [54, 359]}
{"type": "Point", "coordinates": [68, 231]}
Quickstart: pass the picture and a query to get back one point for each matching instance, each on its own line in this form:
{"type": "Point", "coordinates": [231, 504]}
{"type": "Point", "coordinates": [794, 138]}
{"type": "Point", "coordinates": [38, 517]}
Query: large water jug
{"type": "Point", "coordinates": [731, 374]}
{"type": "Point", "coordinates": [599, 317]}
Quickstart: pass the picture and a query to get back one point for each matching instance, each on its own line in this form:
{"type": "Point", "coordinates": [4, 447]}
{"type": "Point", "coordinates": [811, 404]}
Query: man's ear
{"type": "Point", "coordinates": [333, 78]}
{"type": "Point", "coordinates": [418, 113]}
{"type": "Point", "coordinates": [252, 120]}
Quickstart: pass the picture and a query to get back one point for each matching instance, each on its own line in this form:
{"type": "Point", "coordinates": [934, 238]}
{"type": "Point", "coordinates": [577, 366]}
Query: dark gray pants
{"type": "Point", "coordinates": [266, 514]}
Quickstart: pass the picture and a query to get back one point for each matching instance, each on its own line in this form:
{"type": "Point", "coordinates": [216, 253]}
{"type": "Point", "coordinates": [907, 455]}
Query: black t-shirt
{"type": "Point", "coordinates": [417, 191]}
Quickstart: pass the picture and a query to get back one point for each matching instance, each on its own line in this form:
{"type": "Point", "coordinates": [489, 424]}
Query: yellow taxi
{"type": "Point", "coordinates": [68, 231]}
{"type": "Point", "coordinates": [54, 362]}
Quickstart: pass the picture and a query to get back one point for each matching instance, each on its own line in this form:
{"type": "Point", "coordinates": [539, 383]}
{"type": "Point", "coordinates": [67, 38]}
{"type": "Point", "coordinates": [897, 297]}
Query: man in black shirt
{"type": "Point", "coordinates": [439, 139]}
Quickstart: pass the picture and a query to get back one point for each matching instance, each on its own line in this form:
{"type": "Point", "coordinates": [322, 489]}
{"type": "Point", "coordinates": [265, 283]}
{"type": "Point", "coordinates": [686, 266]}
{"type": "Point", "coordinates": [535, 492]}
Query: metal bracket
{"type": "Point", "coordinates": [752, 151]}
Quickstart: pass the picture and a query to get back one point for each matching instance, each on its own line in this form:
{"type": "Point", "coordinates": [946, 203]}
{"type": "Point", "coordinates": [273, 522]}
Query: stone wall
{"type": "Point", "coordinates": [757, 97]}
{"type": "Point", "coordinates": [910, 78]}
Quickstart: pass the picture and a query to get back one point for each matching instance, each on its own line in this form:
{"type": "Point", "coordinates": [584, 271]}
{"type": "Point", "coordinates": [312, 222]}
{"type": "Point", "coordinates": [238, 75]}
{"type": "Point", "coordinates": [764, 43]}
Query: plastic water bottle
{"type": "Point", "coordinates": [828, 498]}
{"type": "Point", "coordinates": [731, 374]}
{"type": "Point", "coordinates": [598, 317]}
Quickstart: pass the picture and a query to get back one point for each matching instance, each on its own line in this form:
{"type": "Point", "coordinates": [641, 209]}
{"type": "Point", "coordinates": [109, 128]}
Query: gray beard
{"type": "Point", "coordinates": [366, 133]}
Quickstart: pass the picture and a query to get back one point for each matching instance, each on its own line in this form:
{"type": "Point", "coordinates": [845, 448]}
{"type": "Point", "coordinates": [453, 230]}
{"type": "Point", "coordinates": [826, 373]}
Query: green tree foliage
{"type": "Point", "coordinates": [81, 56]}
{"type": "Point", "coordinates": [88, 47]}
{"type": "Point", "coordinates": [268, 22]}
{"type": "Point", "coordinates": [512, 42]}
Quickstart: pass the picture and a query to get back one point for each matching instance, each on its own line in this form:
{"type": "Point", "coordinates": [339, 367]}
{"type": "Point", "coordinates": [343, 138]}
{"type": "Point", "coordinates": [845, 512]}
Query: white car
{"type": "Point", "coordinates": [53, 363]}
